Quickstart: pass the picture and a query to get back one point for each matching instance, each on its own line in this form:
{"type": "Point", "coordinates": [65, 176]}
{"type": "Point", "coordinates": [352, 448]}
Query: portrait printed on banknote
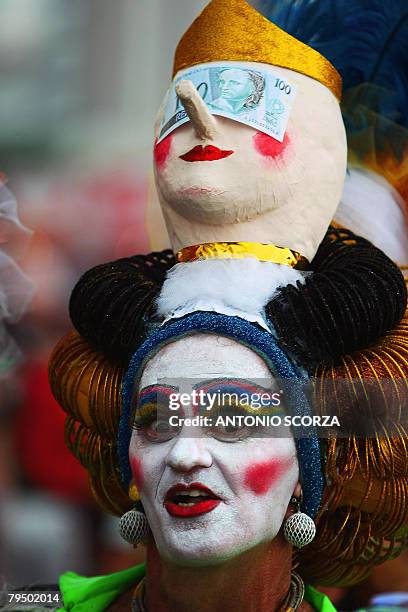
{"type": "Point", "coordinates": [239, 90]}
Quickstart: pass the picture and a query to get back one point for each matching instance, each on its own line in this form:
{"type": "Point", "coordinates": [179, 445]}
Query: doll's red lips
{"type": "Point", "coordinates": [207, 153]}
{"type": "Point", "coordinates": [190, 500]}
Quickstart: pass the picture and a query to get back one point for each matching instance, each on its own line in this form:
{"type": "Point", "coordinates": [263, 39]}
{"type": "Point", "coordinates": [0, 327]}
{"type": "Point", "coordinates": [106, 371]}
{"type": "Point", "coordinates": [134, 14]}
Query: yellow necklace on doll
{"type": "Point", "coordinates": [240, 250]}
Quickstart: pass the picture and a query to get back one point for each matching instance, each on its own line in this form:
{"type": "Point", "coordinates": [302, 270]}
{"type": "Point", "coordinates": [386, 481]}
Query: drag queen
{"type": "Point", "coordinates": [263, 298]}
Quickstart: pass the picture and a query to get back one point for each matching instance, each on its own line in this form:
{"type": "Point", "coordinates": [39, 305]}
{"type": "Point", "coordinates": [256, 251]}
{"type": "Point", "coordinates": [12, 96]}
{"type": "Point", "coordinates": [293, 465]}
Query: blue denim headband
{"type": "Point", "coordinates": [266, 346]}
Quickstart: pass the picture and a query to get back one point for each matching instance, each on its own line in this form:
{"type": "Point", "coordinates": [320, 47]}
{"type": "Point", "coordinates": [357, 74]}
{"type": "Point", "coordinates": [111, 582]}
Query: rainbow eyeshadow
{"type": "Point", "coordinates": [152, 400]}
{"type": "Point", "coordinates": [239, 395]}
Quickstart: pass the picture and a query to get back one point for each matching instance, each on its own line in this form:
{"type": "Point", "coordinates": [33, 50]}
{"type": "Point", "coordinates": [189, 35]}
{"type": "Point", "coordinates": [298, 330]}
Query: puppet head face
{"type": "Point", "coordinates": [210, 494]}
{"type": "Point", "coordinates": [232, 182]}
{"type": "Point", "coordinates": [238, 183]}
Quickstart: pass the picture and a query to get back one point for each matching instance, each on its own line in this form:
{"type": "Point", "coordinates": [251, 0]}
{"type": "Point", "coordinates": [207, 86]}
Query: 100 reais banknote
{"type": "Point", "coordinates": [260, 98]}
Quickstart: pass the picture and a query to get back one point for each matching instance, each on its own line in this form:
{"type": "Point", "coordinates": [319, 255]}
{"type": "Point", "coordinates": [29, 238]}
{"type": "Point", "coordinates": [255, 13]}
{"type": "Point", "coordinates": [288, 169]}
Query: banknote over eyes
{"type": "Point", "coordinates": [260, 98]}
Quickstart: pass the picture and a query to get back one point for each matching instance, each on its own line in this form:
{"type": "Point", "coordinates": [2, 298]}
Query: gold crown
{"type": "Point", "coordinates": [231, 30]}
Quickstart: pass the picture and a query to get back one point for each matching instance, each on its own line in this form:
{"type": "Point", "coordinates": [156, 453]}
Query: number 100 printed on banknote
{"type": "Point", "coordinates": [260, 98]}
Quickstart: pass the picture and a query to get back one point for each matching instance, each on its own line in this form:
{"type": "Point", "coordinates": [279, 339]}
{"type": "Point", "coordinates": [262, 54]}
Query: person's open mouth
{"type": "Point", "coordinates": [190, 500]}
{"type": "Point", "coordinates": [208, 153]}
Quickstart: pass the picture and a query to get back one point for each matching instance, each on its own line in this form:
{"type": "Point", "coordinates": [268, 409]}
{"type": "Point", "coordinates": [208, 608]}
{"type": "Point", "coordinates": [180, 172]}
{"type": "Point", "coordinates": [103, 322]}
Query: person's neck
{"type": "Point", "coordinates": [257, 580]}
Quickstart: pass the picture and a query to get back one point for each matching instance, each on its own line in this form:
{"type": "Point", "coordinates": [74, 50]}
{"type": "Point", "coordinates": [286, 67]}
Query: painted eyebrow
{"type": "Point", "coordinates": [145, 394]}
{"type": "Point", "coordinates": [240, 383]}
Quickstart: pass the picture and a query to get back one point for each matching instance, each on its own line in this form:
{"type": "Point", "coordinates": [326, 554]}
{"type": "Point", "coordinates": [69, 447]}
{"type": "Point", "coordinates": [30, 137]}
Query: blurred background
{"type": "Point", "coordinates": [80, 82]}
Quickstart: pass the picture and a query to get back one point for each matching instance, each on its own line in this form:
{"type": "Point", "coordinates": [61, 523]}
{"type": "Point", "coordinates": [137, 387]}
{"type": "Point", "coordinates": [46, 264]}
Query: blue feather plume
{"type": "Point", "coordinates": [366, 40]}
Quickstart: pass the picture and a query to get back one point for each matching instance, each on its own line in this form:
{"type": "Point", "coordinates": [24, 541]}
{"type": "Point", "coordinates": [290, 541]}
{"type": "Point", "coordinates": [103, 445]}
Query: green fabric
{"type": "Point", "coordinates": [81, 594]}
{"type": "Point", "coordinates": [96, 594]}
{"type": "Point", "coordinates": [319, 601]}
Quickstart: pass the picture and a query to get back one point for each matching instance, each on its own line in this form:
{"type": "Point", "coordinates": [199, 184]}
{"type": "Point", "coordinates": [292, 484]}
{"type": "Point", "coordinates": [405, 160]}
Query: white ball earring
{"type": "Point", "coordinates": [133, 526]}
{"type": "Point", "coordinates": [299, 529]}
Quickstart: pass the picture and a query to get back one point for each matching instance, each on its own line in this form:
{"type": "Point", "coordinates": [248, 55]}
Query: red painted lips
{"type": "Point", "coordinates": [190, 500]}
{"type": "Point", "coordinates": [208, 153]}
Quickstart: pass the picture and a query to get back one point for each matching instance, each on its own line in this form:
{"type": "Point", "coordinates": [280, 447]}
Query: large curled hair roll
{"type": "Point", "coordinates": [355, 295]}
{"type": "Point", "coordinates": [111, 303]}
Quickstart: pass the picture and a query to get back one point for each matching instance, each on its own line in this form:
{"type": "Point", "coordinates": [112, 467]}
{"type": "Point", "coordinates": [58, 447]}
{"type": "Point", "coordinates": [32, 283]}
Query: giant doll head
{"type": "Point", "coordinates": [250, 143]}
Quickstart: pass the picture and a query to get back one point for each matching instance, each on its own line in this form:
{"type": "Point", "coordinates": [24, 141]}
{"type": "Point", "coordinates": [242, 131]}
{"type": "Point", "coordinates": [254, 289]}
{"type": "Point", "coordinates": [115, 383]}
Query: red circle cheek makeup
{"type": "Point", "coordinates": [137, 472]}
{"type": "Point", "coordinates": [269, 147]}
{"type": "Point", "coordinates": [161, 151]}
{"type": "Point", "coordinates": [260, 477]}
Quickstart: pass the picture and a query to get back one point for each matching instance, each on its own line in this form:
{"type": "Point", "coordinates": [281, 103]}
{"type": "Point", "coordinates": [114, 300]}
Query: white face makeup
{"type": "Point", "coordinates": [264, 191]}
{"type": "Point", "coordinates": [252, 480]}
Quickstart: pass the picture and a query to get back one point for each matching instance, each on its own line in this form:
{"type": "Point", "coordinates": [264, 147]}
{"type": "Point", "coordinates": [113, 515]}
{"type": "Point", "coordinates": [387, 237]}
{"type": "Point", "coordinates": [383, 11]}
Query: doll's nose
{"type": "Point", "coordinates": [187, 454]}
{"type": "Point", "coordinates": [204, 123]}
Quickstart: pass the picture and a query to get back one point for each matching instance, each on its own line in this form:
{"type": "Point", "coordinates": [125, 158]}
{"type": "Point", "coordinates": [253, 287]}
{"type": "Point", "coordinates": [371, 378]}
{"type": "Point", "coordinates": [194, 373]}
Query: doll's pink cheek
{"type": "Point", "coordinates": [137, 472]}
{"type": "Point", "coordinates": [161, 151]}
{"type": "Point", "coordinates": [260, 477]}
{"type": "Point", "coordinates": [269, 147]}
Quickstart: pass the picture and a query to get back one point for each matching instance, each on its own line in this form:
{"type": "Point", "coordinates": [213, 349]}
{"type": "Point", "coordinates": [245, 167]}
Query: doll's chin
{"type": "Point", "coordinates": [209, 206]}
